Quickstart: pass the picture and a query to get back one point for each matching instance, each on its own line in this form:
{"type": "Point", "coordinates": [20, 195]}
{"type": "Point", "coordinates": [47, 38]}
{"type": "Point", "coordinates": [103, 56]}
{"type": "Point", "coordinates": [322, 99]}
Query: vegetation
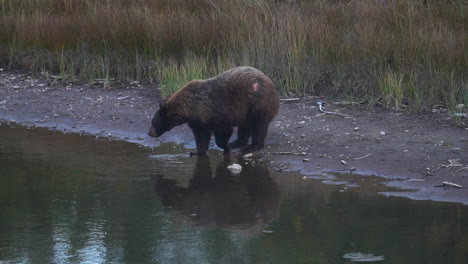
{"type": "Point", "coordinates": [401, 53]}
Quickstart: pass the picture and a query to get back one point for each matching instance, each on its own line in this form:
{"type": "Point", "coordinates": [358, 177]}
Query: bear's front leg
{"type": "Point", "coordinates": [222, 135]}
{"type": "Point", "coordinates": [202, 139]}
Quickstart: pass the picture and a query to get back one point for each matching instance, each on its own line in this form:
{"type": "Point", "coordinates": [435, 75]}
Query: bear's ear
{"type": "Point", "coordinates": [163, 105]}
{"type": "Point", "coordinates": [162, 108]}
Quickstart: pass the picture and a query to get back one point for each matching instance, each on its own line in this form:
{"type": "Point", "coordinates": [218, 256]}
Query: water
{"type": "Point", "coordinates": [74, 199]}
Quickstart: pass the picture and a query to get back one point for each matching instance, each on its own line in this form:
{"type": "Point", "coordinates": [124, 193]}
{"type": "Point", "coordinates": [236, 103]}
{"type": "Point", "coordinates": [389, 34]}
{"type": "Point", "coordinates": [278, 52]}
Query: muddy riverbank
{"type": "Point", "coordinates": [417, 152]}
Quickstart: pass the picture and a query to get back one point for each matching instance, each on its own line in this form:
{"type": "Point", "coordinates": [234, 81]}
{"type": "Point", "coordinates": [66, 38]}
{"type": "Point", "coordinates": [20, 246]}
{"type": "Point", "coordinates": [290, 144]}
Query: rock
{"type": "Point", "coordinates": [460, 106]}
{"type": "Point", "coordinates": [382, 133]}
{"type": "Point", "coordinates": [356, 129]}
{"type": "Point", "coordinates": [235, 168]}
{"type": "Point", "coordinates": [305, 160]}
{"type": "Point", "coordinates": [344, 162]}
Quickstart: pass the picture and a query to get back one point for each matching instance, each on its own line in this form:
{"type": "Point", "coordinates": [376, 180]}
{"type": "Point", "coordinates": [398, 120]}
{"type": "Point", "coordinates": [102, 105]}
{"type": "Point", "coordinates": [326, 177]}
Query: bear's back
{"type": "Point", "coordinates": [238, 92]}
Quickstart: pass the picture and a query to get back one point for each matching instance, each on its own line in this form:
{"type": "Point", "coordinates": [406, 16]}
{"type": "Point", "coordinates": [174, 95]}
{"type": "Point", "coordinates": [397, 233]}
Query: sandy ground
{"type": "Point", "coordinates": [417, 152]}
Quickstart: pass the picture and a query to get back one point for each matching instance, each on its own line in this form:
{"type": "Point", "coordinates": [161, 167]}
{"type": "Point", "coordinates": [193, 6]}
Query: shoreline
{"type": "Point", "coordinates": [409, 151]}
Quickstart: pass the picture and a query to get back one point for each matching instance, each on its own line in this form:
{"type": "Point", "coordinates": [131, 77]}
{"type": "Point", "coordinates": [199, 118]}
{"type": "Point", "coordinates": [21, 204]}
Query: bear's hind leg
{"type": "Point", "coordinates": [222, 135]}
{"type": "Point", "coordinates": [243, 134]}
{"type": "Point", "coordinates": [202, 140]}
{"type": "Point", "coordinates": [259, 132]}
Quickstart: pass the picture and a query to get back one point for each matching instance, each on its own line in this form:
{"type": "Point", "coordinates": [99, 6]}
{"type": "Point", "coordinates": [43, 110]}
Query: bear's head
{"type": "Point", "coordinates": [160, 122]}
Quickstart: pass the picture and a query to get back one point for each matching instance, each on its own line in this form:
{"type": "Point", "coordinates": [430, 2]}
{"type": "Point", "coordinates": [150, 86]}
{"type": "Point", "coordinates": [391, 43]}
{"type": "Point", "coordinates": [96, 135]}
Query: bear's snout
{"type": "Point", "coordinates": [152, 132]}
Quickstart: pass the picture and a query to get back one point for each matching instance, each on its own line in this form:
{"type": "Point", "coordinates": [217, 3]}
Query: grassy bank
{"type": "Point", "coordinates": [400, 53]}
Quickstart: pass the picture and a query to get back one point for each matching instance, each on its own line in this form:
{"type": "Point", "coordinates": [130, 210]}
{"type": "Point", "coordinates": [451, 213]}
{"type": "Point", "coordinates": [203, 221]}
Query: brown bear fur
{"type": "Point", "coordinates": [243, 97]}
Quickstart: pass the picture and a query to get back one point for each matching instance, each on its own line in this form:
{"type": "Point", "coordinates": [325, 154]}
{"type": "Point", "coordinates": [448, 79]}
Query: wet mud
{"type": "Point", "coordinates": [416, 152]}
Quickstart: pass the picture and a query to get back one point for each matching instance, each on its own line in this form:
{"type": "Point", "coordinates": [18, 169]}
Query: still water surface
{"type": "Point", "coordinates": [74, 199]}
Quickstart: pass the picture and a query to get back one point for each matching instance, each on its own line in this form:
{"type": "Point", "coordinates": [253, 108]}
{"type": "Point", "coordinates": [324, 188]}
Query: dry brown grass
{"type": "Point", "coordinates": [350, 48]}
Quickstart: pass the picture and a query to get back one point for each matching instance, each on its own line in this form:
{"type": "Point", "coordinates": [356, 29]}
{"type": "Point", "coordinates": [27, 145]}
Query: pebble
{"type": "Point", "coordinates": [382, 133]}
{"type": "Point", "coordinates": [344, 162]}
{"type": "Point", "coordinates": [356, 129]}
{"type": "Point", "coordinates": [460, 106]}
{"type": "Point", "coordinates": [248, 156]}
{"type": "Point", "coordinates": [305, 160]}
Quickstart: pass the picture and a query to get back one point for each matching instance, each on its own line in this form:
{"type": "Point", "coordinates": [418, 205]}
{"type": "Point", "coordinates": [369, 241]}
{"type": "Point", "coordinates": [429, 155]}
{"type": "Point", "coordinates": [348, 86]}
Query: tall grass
{"type": "Point", "coordinates": [401, 51]}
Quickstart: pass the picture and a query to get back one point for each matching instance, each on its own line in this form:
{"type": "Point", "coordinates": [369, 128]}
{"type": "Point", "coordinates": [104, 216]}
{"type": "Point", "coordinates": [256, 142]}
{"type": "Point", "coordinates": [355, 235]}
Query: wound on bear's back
{"type": "Point", "coordinates": [255, 86]}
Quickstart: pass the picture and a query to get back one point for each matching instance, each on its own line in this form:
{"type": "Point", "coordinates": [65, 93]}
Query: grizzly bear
{"type": "Point", "coordinates": [243, 97]}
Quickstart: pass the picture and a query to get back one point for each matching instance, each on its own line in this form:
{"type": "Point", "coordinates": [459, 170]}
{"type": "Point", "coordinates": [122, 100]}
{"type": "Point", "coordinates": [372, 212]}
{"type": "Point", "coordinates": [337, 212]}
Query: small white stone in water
{"type": "Point", "coordinates": [356, 129]}
{"type": "Point", "coordinates": [344, 162]}
{"type": "Point", "coordinates": [235, 168]}
{"type": "Point", "coordinates": [382, 133]}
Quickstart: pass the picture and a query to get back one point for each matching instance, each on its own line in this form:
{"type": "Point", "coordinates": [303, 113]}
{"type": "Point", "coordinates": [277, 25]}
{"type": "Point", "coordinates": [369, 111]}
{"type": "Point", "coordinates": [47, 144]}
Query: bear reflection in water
{"type": "Point", "coordinates": [223, 199]}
